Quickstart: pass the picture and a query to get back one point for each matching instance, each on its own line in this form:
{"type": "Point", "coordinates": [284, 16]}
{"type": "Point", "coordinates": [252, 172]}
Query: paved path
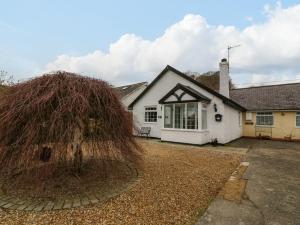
{"type": "Point", "coordinates": [272, 194]}
{"type": "Point", "coordinates": [90, 197]}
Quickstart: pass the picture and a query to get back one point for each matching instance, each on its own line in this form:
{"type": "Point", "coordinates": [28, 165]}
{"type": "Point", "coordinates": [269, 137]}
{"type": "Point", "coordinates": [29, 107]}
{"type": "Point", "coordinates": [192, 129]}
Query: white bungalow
{"type": "Point", "coordinates": [177, 108]}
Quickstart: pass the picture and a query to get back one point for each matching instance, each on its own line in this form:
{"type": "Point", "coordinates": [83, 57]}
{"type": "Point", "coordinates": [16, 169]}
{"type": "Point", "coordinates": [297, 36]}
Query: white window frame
{"type": "Point", "coordinates": [150, 108]}
{"type": "Point", "coordinates": [297, 116]}
{"type": "Point", "coordinates": [270, 114]}
{"type": "Point", "coordinates": [185, 113]}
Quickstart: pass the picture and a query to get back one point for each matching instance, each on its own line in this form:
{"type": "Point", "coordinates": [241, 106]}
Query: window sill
{"type": "Point", "coordinates": [150, 122]}
{"type": "Point", "coordinates": [269, 126]}
{"type": "Point", "coordinates": [185, 130]}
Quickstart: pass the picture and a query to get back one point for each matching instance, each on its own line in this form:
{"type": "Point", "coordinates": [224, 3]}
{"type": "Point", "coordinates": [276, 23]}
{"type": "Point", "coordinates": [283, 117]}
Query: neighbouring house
{"type": "Point", "coordinates": [272, 111]}
{"type": "Point", "coordinates": [178, 108]}
{"type": "Point", "coordinates": [128, 93]}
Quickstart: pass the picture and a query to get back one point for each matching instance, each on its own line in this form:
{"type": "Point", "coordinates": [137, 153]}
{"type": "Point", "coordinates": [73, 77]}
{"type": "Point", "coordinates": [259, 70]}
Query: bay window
{"type": "Point", "coordinates": [181, 116]}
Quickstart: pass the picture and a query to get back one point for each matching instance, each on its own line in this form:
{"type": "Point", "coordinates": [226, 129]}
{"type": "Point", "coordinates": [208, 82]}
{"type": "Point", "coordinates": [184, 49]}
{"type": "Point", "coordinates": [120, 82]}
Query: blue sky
{"type": "Point", "coordinates": [34, 33]}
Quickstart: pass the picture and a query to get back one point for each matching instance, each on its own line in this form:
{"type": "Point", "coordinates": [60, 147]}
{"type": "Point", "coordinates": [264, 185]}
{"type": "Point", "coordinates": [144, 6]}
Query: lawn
{"type": "Point", "coordinates": [177, 185]}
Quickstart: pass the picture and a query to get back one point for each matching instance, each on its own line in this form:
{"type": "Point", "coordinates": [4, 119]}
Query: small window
{"type": "Point", "coordinates": [297, 119]}
{"type": "Point", "coordinates": [204, 119]}
{"type": "Point", "coordinates": [151, 114]}
{"type": "Point", "coordinates": [264, 119]}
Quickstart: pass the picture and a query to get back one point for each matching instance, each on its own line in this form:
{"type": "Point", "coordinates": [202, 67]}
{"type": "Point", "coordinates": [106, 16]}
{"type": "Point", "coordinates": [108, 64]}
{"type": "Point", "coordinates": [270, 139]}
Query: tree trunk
{"type": "Point", "coordinates": [78, 158]}
{"type": "Point", "coordinates": [77, 149]}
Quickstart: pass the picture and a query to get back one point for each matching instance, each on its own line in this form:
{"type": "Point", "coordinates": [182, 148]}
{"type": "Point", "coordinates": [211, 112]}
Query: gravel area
{"type": "Point", "coordinates": [177, 185]}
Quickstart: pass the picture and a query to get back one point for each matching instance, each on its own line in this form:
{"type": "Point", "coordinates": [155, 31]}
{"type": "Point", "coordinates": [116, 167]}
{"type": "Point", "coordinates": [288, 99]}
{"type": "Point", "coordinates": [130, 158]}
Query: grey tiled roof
{"type": "Point", "coordinates": [127, 89]}
{"type": "Point", "coordinates": [273, 97]}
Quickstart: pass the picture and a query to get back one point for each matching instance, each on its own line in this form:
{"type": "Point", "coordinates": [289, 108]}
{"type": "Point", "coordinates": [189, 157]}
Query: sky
{"type": "Point", "coordinates": [131, 41]}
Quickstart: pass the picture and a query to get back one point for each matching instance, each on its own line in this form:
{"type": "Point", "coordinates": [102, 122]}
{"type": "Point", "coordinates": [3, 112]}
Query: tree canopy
{"type": "Point", "coordinates": [48, 119]}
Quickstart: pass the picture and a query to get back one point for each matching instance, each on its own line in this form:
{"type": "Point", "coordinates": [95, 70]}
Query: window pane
{"type": "Point", "coordinates": [150, 114]}
{"type": "Point", "coordinates": [192, 116]}
{"type": "Point", "coordinates": [168, 120]}
{"type": "Point", "coordinates": [204, 119]}
{"type": "Point", "coordinates": [180, 116]}
{"type": "Point", "coordinates": [264, 118]}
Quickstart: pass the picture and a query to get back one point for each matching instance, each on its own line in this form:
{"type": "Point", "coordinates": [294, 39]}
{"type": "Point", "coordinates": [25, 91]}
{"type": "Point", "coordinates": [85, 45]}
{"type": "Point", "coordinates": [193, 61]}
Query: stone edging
{"type": "Point", "coordinates": [94, 197]}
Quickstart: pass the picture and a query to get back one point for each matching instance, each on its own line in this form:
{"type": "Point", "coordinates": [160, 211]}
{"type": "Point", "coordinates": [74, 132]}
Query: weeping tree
{"type": "Point", "coordinates": [61, 120]}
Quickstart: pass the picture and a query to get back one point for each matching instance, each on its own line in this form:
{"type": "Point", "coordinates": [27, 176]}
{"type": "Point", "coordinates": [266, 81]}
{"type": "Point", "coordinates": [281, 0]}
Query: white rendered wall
{"type": "Point", "coordinates": [233, 125]}
{"type": "Point", "coordinates": [185, 136]}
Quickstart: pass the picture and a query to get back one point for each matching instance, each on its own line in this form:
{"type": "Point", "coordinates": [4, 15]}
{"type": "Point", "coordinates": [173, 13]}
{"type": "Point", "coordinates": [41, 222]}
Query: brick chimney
{"type": "Point", "coordinates": [224, 78]}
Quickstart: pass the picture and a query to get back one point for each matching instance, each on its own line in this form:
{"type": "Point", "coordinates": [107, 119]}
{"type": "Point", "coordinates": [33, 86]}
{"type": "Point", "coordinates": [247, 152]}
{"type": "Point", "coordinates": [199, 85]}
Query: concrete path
{"type": "Point", "coordinates": [272, 194]}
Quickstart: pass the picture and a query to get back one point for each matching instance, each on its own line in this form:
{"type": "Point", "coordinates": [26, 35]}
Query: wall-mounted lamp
{"type": "Point", "coordinates": [215, 107]}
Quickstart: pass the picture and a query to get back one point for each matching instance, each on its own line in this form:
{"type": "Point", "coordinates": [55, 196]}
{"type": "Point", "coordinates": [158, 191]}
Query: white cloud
{"type": "Point", "coordinates": [269, 48]}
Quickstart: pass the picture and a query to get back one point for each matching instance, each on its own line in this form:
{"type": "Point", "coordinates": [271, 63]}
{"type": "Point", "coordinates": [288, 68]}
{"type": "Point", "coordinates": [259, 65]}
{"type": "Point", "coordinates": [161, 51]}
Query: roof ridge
{"type": "Point", "coordinates": [272, 85]}
{"type": "Point", "coordinates": [143, 82]}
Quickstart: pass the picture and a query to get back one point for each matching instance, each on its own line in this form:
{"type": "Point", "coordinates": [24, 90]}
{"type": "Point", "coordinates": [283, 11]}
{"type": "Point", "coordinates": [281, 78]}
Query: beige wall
{"type": "Point", "coordinates": [284, 126]}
